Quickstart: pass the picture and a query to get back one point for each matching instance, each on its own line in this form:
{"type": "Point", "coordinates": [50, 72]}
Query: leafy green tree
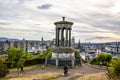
{"type": "Point", "coordinates": [15, 56]}
{"type": "Point", "coordinates": [42, 54]}
{"type": "Point", "coordinates": [114, 69]}
{"type": "Point", "coordinates": [94, 61]}
{"type": "Point", "coordinates": [108, 59]}
{"type": "Point", "coordinates": [3, 69]}
{"type": "Point", "coordinates": [104, 58]}
{"type": "Point", "coordinates": [49, 52]}
{"type": "Point", "coordinates": [46, 53]}
{"type": "Point", "coordinates": [77, 54]}
{"type": "Point", "coordinates": [27, 55]}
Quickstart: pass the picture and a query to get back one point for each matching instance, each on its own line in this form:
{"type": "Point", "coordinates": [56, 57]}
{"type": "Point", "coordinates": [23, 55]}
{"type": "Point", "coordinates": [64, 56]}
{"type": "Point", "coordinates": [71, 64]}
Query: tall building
{"type": "Point", "coordinates": [73, 41]}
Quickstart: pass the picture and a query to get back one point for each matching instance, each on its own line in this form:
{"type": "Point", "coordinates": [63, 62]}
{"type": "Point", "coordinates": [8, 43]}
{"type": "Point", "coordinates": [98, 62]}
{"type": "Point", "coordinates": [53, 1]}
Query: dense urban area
{"type": "Point", "coordinates": [34, 55]}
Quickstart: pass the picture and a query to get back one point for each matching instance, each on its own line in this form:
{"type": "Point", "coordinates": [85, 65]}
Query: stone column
{"type": "Point", "coordinates": [73, 62]}
{"type": "Point", "coordinates": [57, 60]}
{"type": "Point", "coordinates": [56, 37]}
{"type": "Point", "coordinates": [46, 59]}
{"type": "Point", "coordinates": [69, 37]}
{"type": "Point", "coordinates": [62, 37]}
{"type": "Point", "coordinates": [66, 37]}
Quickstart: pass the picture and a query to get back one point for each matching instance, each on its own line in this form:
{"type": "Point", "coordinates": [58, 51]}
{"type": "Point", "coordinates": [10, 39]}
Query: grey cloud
{"type": "Point", "coordinates": [109, 23]}
{"type": "Point", "coordinates": [23, 1]}
{"type": "Point", "coordinates": [20, 30]}
{"type": "Point", "coordinates": [82, 31]}
{"type": "Point", "coordinates": [96, 38]}
{"type": "Point", "coordinates": [86, 31]}
{"type": "Point", "coordinates": [4, 23]}
{"type": "Point", "coordinates": [20, 1]}
{"type": "Point", "coordinates": [51, 33]}
{"type": "Point", "coordinates": [45, 6]}
{"type": "Point", "coordinates": [37, 24]}
{"type": "Point", "coordinates": [109, 5]}
{"type": "Point", "coordinates": [99, 20]}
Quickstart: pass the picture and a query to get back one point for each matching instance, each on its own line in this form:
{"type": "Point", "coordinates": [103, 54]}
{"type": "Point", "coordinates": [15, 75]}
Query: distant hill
{"type": "Point", "coordinates": [3, 39]}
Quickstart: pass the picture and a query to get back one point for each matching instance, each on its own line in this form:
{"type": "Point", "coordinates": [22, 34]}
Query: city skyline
{"type": "Point", "coordinates": [94, 20]}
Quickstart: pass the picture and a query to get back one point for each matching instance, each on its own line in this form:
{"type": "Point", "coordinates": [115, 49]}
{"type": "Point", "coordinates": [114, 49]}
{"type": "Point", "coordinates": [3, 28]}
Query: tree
{"type": "Point", "coordinates": [3, 69]}
{"type": "Point", "coordinates": [104, 58]}
{"type": "Point", "coordinates": [15, 56]}
{"type": "Point", "coordinates": [114, 69]}
{"type": "Point", "coordinates": [49, 52]}
{"type": "Point", "coordinates": [27, 55]}
{"type": "Point", "coordinates": [77, 54]}
{"type": "Point", "coordinates": [46, 53]}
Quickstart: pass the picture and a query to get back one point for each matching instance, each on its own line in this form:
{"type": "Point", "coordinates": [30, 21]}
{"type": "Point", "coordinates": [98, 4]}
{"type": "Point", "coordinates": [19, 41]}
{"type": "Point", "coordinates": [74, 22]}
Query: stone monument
{"type": "Point", "coordinates": [63, 53]}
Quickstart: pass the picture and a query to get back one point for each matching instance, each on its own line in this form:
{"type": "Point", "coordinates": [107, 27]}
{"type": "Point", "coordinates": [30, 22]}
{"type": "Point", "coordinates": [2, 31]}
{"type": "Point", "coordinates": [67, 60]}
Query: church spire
{"type": "Point", "coordinates": [79, 45]}
{"type": "Point", "coordinates": [42, 39]}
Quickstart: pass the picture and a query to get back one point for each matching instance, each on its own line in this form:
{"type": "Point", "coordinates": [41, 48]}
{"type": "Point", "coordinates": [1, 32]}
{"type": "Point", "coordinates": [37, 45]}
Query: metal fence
{"type": "Point", "coordinates": [78, 61]}
{"type": "Point", "coordinates": [51, 61]}
{"type": "Point", "coordinates": [63, 62]}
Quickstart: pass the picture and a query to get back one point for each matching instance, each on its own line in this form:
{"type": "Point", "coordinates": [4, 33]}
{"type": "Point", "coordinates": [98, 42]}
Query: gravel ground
{"type": "Point", "coordinates": [72, 73]}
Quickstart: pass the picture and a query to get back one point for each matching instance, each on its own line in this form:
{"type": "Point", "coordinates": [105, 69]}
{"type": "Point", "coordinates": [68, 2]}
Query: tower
{"type": "Point", "coordinates": [63, 53]}
{"type": "Point", "coordinates": [24, 45]}
{"type": "Point", "coordinates": [42, 39]}
{"type": "Point", "coordinates": [63, 33]}
{"type": "Point", "coordinates": [73, 41]}
{"type": "Point", "coordinates": [79, 45]}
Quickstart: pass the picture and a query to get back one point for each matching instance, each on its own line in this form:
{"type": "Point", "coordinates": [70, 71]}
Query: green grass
{"type": "Point", "coordinates": [44, 76]}
{"type": "Point", "coordinates": [4, 79]}
{"type": "Point", "coordinates": [35, 67]}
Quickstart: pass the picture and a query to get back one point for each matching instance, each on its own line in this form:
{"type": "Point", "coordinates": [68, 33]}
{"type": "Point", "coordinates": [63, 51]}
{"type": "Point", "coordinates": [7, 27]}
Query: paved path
{"type": "Point", "coordinates": [84, 69]}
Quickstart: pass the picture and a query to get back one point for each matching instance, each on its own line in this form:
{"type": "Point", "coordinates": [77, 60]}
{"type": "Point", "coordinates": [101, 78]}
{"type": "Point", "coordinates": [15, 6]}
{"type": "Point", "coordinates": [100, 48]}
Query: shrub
{"type": "Point", "coordinates": [3, 69]}
{"type": "Point", "coordinates": [64, 50]}
{"type": "Point", "coordinates": [104, 58]}
{"type": "Point", "coordinates": [77, 54]}
{"type": "Point", "coordinates": [114, 69]}
{"type": "Point", "coordinates": [27, 55]}
{"type": "Point", "coordinates": [29, 62]}
{"type": "Point", "coordinates": [8, 64]}
{"type": "Point", "coordinates": [94, 61]}
{"type": "Point", "coordinates": [44, 53]}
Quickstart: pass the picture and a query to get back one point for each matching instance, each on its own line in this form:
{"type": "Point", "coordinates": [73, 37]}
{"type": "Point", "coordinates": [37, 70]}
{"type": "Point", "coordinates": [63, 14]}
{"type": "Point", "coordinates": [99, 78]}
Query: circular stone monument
{"type": "Point", "coordinates": [63, 53]}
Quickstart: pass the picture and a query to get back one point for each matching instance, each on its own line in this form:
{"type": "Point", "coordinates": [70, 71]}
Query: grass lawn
{"type": "Point", "coordinates": [45, 76]}
{"type": "Point", "coordinates": [56, 75]}
{"type": "Point", "coordinates": [4, 79]}
{"type": "Point", "coordinates": [52, 75]}
{"type": "Point", "coordinates": [95, 76]}
{"type": "Point", "coordinates": [34, 67]}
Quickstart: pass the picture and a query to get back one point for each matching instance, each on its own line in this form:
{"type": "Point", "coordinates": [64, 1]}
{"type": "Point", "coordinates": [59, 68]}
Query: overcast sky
{"type": "Point", "coordinates": [94, 20]}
